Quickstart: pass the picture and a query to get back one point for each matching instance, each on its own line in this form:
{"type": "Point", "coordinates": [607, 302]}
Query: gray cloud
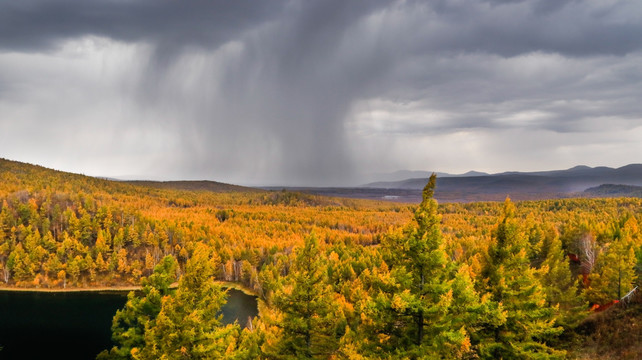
{"type": "Point", "coordinates": [34, 25]}
{"type": "Point", "coordinates": [318, 92]}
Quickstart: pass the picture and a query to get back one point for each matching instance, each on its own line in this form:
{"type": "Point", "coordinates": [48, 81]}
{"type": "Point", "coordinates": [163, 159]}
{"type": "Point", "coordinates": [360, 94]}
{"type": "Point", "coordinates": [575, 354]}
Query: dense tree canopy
{"type": "Point", "coordinates": [339, 278]}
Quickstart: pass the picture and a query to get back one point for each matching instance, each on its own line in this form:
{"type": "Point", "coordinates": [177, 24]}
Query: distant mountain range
{"type": "Point", "coordinates": [579, 181]}
{"type": "Point", "coordinates": [416, 174]}
{"type": "Point", "coordinates": [522, 185]}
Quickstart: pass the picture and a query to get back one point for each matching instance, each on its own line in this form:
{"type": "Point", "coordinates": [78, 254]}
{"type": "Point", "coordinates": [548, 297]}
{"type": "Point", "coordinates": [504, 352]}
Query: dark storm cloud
{"type": "Point", "coordinates": [509, 28]}
{"type": "Point", "coordinates": [505, 27]}
{"type": "Point", "coordinates": [33, 25]}
{"type": "Point", "coordinates": [285, 91]}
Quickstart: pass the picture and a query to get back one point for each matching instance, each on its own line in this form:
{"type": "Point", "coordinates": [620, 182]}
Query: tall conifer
{"type": "Point", "coordinates": [188, 325]}
{"type": "Point", "coordinates": [128, 326]}
{"type": "Point", "coordinates": [511, 281]}
{"type": "Point", "coordinates": [307, 313]}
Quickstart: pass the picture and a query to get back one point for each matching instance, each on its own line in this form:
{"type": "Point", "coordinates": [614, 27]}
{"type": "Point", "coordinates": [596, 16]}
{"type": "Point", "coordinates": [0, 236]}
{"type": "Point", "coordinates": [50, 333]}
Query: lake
{"type": "Point", "coordinates": [76, 325]}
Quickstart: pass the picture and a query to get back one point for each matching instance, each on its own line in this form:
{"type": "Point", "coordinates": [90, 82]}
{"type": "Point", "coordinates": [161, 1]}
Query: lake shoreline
{"type": "Point", "coordinates": [81, 289]}
{"type": "Point", "coordinates": [236, 286]}
{"type": "Point", "coordinates": [83, 319]}
{"type": "Point", "coordinates": [123, 288]}
{"type": "Point", "coordinates": [261, 305]}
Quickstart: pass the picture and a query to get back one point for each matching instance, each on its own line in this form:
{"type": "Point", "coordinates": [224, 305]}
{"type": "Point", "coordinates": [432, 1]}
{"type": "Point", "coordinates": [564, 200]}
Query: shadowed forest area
{"type": "Point", "coordinates": [339, 278]}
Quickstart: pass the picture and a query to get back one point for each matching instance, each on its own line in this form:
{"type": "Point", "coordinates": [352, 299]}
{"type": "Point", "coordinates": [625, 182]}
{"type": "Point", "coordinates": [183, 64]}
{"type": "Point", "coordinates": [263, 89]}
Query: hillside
{"type": "Point", "coordinates": [612, 190]}
{"type": "Point", "coordinates": [613, 334]}
{"type": "Point", "coordinates": [199, 185]}
{"type": "Point", "coordinates": [60, 229]}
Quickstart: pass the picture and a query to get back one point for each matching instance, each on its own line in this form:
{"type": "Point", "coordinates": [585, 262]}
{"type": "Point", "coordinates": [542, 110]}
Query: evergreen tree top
{"type": "Point", "coordinates": [429, 189]}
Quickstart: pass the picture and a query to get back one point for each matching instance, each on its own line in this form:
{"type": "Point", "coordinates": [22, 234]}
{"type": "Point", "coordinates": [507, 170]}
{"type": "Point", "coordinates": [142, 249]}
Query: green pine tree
{"type": "Point", "coordinates": [308, 315]}
{"type": "Point", "coordinates": [426, 306]}
{"type": "Point", "coordinates": [128, 326]}
{"type": "Point", "coordinates": [511, 282]}
{"type": "Point", "coordinates": [188, 325]}
{"type": "Point", "coordinates": [420, 268]}
{"type": "Point", "coordinates": [561, 287]}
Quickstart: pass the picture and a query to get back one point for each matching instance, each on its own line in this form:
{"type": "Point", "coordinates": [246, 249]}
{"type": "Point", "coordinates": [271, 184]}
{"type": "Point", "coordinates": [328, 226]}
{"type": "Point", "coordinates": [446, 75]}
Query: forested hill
{"type": "Point", "coordinates": [22, 176]}
{"type": "Point", "coordinates": [59, 229]}
{"type": "Point", "coordinates": [197, 185]}
{"type": "Point", "coordinates": [34, 175]}
{"type": "Point", "coordinates": [612, 190]}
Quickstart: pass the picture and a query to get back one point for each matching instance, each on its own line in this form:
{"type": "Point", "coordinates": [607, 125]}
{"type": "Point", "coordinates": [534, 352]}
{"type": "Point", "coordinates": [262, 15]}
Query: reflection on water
{"type": "Point", "coordinates": [239, 307]}
{"type": "Point", "coordinates": [76, 325]}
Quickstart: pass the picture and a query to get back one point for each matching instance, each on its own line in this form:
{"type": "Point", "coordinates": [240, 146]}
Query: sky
{"type": "Point", "coordinates": [319, 92]}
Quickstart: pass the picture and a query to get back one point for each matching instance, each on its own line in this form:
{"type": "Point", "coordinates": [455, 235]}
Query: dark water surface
{"type": "Point", "coordinates": [76, 325]}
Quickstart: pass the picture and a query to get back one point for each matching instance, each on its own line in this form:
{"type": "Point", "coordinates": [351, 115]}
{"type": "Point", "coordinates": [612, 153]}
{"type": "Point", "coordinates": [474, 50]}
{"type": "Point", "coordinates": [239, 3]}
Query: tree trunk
{"type": "Point", "coordinates": [420, 316]}
{"type": "Point", "coordinates": [308, 320]}
{"type": "Point", "coordinates": [619, 284]}
{"type": "Point", "coordinates": [420, 327]}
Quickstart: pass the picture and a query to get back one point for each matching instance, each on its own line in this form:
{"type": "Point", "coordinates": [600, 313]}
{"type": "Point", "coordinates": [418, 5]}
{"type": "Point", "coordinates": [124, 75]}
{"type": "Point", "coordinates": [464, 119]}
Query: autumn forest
{"type": "Point", "coordinates": [337, 278]}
